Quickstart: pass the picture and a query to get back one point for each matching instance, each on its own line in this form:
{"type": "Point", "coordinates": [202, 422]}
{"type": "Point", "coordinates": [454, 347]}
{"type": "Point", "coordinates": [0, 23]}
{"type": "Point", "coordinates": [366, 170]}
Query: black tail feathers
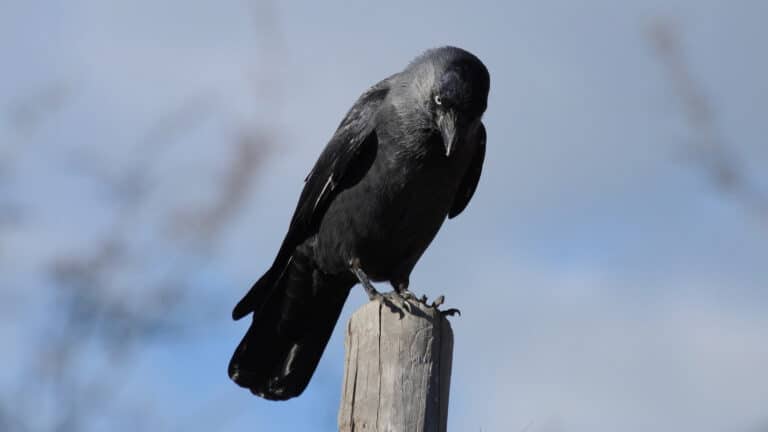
{"type": "Point", "coordinates": [292, 323]}
{"type": "Point", "coordinates": [256, 296]}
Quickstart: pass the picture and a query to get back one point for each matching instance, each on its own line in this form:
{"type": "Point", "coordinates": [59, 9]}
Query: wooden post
{"type": "Point", "coordinates": [397, 370]}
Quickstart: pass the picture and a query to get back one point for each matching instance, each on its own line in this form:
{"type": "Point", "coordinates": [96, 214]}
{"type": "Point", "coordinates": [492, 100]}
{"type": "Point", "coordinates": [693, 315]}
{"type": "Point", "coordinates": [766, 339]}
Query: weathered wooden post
{"type": "Point", "coordinates": [397, 370]}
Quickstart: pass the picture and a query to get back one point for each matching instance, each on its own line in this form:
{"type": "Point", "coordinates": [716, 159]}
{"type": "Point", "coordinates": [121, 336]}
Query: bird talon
{"type": "Point", "coordinates": [451, 312]}
{"type": "Point", "coordinates": [407, 306]}
{"type": "Point", "coordinates": [438, 301]}
{"type": "Point", "coordinates": [394, 305]}
{"type": "Point", "coordinates": [403, 299]}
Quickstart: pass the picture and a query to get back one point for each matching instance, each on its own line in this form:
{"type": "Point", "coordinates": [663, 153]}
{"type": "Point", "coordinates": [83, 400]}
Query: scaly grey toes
{"type": "Point", "coordinates": [407, 295]}
{"type": "Point", "coordinates": [402, 300]}
{"type": "Point", "coordinates": [399, 300]}
{"type": "Point", "coordinates": [439, 301]}
{"type": "Point", "coordinates": [393, 306]}
{"type": "Point", "coordinates": [451, 312]}
{"type": "Point", "coordinates": [396, 302]}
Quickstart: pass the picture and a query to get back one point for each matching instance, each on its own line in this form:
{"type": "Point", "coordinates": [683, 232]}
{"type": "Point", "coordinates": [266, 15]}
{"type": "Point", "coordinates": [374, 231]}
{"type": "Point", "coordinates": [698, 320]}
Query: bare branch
{"type": "Point", "coordinates": [27, 112]}
{"type": "Point", "coordinates": [720, 161]}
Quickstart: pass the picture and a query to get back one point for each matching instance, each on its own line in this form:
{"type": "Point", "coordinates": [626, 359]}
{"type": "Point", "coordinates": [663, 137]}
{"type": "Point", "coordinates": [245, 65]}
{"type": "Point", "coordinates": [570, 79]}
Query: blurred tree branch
{"type": "Point", "coordinates": [27, 113]}
{"type": "Point", "coordinates": [97, 313]}
{"type": "Point", "coordinates": [91, 320]}
{"type": "Point", "coordinates": [721, 163]}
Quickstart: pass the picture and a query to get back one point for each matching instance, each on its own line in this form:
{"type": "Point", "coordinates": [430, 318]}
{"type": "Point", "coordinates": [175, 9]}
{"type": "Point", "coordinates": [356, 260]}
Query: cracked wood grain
{"type": "Point", "coordinates": [397, 370]}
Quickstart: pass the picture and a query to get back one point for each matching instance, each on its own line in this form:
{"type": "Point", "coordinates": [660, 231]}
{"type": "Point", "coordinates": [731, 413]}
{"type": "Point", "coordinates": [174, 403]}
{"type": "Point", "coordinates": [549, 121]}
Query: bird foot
{"type": "Point", "coordinates": [439, 301]}
{"type": "Point", "coordinates": [436, 303]}
{"type": "Point", "coordinates": [400, 300]}
{"type": "Point", "coordinates": [407, 295]}
{"type": "Point", "coordinates": [394, 301]}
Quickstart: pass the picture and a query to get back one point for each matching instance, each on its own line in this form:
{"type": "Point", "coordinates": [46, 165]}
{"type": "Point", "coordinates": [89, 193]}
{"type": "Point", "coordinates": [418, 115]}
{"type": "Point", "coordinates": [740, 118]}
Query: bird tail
{"type": "Point", "coordinates": [291, 326]}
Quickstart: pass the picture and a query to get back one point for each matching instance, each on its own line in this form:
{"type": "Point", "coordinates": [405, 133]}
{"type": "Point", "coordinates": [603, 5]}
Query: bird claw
{"type": "Point", "coordinates": [439, 301]}
{"type": "Point", "coordinates": [400, 299]}
{"type": "Point", "coordinates": [403, 301]}
{"type": "Point", "coordinates": [394, 301]}
{"type": "Point", "coordinates": [386, 301]}
{"type": "Point", "coordinates": [451, 312]}
{"type": "Point", "coordinates": [398, 302]}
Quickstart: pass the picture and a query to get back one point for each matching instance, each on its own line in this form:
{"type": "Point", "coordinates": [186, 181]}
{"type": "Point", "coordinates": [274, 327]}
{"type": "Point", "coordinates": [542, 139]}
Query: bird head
{"type": "Point", "coordinates": [452, 85]}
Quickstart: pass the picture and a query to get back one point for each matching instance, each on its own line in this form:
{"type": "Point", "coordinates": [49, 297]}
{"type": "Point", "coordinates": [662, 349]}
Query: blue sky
{"type": "Point", "coordinates": [605, 284]}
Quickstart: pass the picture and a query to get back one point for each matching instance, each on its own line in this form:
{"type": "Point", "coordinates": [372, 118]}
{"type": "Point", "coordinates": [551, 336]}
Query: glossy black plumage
{"type": "Point", "coordinates": [408, 154]}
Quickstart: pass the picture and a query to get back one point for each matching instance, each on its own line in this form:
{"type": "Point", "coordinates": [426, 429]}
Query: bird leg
{"type": "Point", "coordinates": [354, 265]}
{"type": "Point", "coordinates": [394, 300]}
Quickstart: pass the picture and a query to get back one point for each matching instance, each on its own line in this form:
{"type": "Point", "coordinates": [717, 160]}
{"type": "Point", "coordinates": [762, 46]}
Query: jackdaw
{"type": "Point", "coordinates": [406, 156]}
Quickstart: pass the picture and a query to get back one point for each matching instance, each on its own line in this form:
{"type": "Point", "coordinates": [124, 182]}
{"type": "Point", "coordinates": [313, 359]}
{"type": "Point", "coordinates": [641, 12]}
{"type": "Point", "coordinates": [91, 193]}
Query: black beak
{"type": "Point", "coordinates": [446, 122]}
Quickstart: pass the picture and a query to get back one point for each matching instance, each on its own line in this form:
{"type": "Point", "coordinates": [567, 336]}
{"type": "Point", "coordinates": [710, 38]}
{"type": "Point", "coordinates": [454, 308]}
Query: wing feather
{"type": "Point", "coordinates": [342, 163]}
{"type": "Point", "coordinates": [471, 178]}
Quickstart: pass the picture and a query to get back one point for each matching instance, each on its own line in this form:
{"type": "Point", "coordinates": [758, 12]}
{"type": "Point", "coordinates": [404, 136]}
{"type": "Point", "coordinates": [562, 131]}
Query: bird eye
{"type": "Point", "coordinates": [438, 100]}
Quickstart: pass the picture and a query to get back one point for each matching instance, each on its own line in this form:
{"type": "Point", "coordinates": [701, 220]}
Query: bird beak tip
{"type": "Point", "coordinates": [447, 126]}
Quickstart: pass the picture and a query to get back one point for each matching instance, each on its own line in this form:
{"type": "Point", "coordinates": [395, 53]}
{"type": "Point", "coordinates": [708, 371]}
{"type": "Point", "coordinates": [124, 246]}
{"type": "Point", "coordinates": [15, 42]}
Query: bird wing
{"type": "Point", "coordinates": [347, 157]}
{"type": "Point", "coordinates": [342, 163]}
{"type": "Point", "coordinates": [471, 178]}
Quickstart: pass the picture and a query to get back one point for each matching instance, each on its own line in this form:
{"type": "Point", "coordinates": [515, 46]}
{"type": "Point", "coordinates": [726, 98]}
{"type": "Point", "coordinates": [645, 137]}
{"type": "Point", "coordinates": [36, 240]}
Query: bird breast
{"type": "Point", "coordinates": [389, 218]}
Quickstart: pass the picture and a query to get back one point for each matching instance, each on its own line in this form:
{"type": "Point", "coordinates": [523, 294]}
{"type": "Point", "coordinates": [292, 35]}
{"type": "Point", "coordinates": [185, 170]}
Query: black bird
{"type": "Point", "coordinates": [408, 154]}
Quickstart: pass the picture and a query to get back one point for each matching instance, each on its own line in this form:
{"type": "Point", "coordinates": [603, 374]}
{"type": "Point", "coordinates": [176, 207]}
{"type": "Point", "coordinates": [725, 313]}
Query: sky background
{"type": "Point", "coordinates": [605, 281]}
